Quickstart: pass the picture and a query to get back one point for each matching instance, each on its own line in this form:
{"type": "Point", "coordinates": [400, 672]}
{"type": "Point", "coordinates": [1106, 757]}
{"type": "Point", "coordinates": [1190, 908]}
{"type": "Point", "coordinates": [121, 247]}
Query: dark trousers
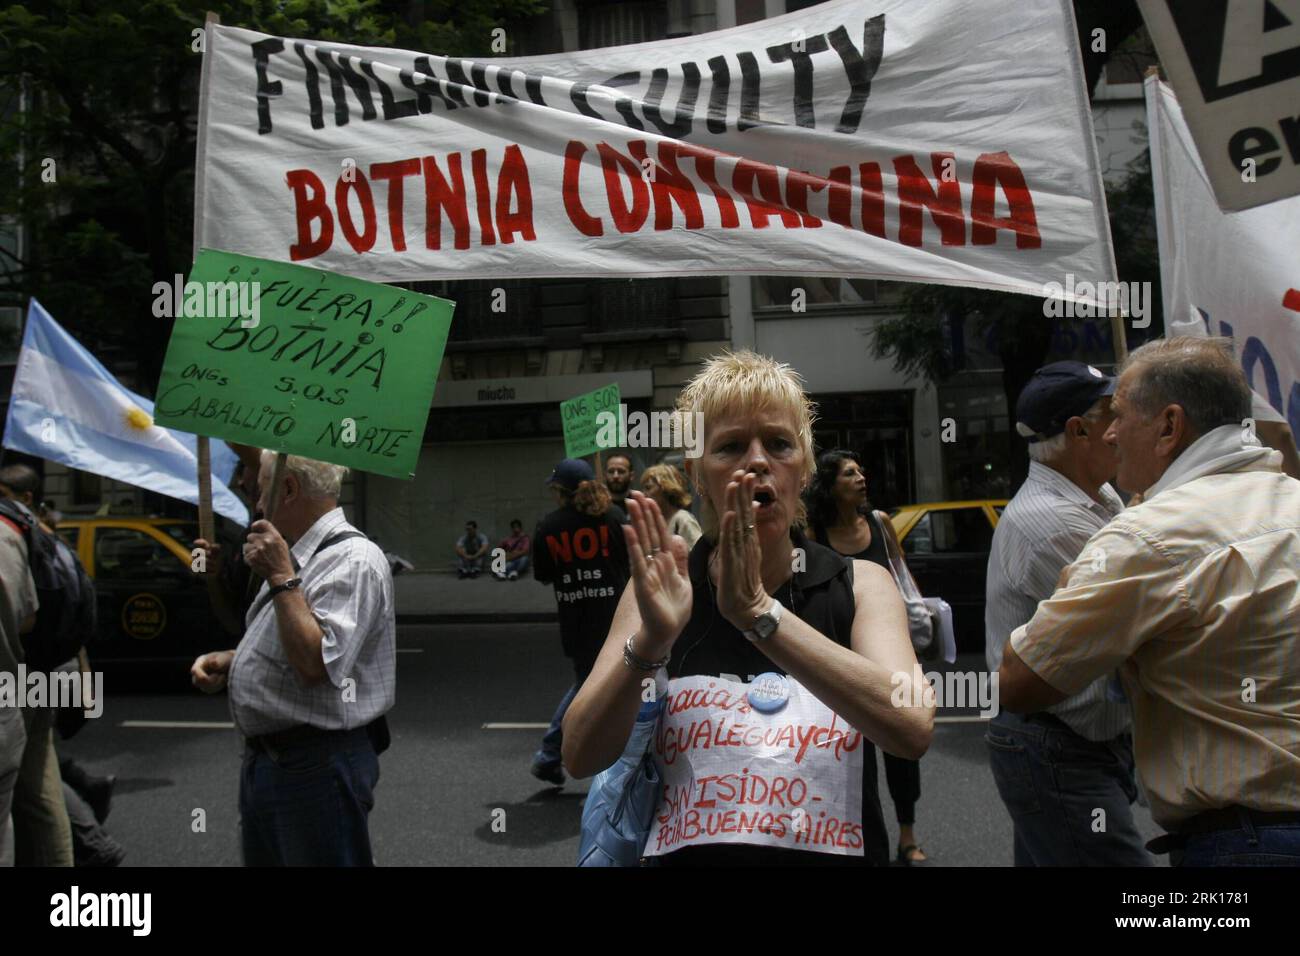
{"type": "Point", "coordinates": [904, 780]}
{"type": "Point", "coordinates": [1069, 797]}
{"type": "Point", "coordinates": [1248, 845]}
{"type": "Point", "coordinates": [553, 739]}
{"type": "Point", "coordinates": [309, 804]}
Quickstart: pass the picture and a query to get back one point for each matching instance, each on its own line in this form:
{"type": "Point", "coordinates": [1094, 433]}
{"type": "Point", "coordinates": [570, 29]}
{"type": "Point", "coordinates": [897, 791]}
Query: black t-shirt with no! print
{"type": "Point", "coordinates": [585, 558]}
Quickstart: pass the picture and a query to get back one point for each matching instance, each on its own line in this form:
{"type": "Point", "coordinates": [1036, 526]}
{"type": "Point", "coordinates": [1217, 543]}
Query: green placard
{"type": "Point", "coordinates": [580, 416]}
{"type": "Point", "coordinates": [302, 361]}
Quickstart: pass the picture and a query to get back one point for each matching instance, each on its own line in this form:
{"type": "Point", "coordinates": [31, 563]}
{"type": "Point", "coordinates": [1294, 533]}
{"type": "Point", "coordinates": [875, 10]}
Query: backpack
{"type": "Point", "coordinates": [66, 619]}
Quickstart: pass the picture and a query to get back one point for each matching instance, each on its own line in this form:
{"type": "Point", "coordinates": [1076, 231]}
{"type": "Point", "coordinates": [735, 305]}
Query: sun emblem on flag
{"type": "Point", "coordinates": [139, 419]}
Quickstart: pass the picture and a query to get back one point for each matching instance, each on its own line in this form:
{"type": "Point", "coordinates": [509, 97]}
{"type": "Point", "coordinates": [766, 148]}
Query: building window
{"type": "Point", "coordinates": [618, 24]}
{"type": "Point", "coordinates": [87, 489]}
{"type": "Point", "coordinates": [779, 292]}
{"type": "Point", "coordinates": [748, 11]}
{"type": "Point", "coordinates": [11, 332]}
{"type": "Point", "coordinates": [878, 427]}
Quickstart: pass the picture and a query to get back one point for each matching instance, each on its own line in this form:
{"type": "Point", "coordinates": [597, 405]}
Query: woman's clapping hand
{"type": "Point", "coordinates": [659, 575]}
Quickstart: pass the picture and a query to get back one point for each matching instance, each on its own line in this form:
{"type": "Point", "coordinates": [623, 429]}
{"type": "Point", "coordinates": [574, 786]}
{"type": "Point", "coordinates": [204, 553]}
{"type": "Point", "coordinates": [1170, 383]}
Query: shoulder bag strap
{"type": "Point", "coordinates": [336, 538]}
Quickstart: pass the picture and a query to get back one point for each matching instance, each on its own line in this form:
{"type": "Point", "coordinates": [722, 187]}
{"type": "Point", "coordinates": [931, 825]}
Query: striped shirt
{"type": "Point", "coordinates": [1042, 532]}
{"type": "Point", "coordinates": [1198, 605]}
{"type": "Point", "coordinates": [349, 588]}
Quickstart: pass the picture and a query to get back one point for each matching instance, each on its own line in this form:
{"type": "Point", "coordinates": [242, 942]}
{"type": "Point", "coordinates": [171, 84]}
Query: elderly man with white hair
{"type": "Point", "coordinates": [312, 677]}
{"type": "Point", "coordinates": [1056, 768]}
{"type": "Point", "coordinates": [1194, 596]}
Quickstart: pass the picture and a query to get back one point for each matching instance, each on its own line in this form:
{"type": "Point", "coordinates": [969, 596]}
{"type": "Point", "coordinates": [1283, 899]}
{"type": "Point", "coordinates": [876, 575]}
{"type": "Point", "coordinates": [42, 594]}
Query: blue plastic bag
{"type": "Point", "coordinates": [621, 802]}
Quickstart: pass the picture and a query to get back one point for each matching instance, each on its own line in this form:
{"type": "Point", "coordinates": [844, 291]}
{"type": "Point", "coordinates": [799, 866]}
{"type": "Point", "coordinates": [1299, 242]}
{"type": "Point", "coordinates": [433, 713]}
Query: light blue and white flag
{"type": "Point", "coordinates": [66, 407]}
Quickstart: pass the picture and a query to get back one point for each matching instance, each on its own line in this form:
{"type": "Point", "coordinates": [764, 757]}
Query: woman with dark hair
{"type": "Point", "coordinates": [580, 549]}
{"type": "Point", "coordinates": [840, 517]}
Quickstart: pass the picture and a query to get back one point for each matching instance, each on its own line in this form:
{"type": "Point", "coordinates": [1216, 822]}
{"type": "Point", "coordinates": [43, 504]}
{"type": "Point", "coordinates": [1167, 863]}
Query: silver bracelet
{"type": "Point", "coordinates": [637, 663]}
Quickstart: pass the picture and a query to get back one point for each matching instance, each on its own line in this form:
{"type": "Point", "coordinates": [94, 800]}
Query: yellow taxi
{"type": "Point", "coordinates": [946, 545]}
{"type": "Point", "coordinates": [153, 609]}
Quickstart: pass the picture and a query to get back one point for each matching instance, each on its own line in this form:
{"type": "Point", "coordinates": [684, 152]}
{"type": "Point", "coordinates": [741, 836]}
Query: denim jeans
{"type": "Point", "coordinates": [309, 804]}
{"type": "Point", "coordinates": [519, 565]}
{"type": "Point", "coordinates": [553, 739]}
{"type": "Point", "coordinates": [1247, 846]}
{"type": "Point", "coordinates": [1069, 797]}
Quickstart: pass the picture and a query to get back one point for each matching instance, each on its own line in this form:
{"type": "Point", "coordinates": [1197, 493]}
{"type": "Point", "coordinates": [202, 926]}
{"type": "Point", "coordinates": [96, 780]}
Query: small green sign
{"type": "Point", "coordinates": [581, 415]}
{"type": "Point", "coordinates": [302, 361]}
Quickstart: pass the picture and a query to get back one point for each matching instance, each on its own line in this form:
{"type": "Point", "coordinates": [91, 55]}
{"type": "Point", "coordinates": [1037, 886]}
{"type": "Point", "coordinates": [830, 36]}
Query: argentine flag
{"type": "Point", "coordinates": [66, 407]}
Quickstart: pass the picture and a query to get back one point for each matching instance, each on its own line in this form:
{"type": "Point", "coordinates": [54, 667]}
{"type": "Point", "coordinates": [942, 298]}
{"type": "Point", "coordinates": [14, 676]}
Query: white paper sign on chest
{"type": "Point", "coordinates": [732, 773]}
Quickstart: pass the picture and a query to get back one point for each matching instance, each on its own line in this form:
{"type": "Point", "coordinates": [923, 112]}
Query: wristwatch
{"type": "Point", "coordinates": [765, 624]}
{"type": "Point", "coordinates": [289, 585]}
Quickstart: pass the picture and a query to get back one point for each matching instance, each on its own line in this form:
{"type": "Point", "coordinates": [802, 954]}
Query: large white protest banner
{"type": "Point", "coordinates": [735, 774]}
{"type": "Point", "coordinates": [948, 141]}
{"type": "Point", "coordinates": [1236, 273]}
{"type": "Point", "coordinates": [1236, 67]}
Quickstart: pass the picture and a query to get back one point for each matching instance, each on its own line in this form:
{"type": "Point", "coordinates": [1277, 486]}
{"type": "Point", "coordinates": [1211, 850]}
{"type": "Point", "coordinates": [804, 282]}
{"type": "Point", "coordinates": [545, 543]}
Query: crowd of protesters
{"type": "Point", "coordinates": [52, 812]}
{"type": "Point", "coordinates": [1144, 639]}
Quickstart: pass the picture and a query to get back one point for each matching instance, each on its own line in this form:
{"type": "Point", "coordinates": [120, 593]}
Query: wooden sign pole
{"type": "Point", "coordinates": [277, 473]}
{"type": "Point", "coordinates": [205, 489]}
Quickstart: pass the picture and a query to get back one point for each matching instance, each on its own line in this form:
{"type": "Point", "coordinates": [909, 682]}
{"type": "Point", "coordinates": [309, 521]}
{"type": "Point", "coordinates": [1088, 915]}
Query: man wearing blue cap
{"type": "Point", "coordinates": [1065, 773]}
{"type": "Point", "coordinates": [580, 549]}
{"type": "Point", "coordinates": [1193, 597]}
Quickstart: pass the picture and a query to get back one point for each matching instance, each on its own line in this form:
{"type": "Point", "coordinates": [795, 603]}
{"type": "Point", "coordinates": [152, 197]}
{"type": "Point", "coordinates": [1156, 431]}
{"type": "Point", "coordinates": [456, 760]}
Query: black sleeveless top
{"type": "Point", "coordinates": [821, 595]}
{"type": "Point", "coordinates": [875, 552]}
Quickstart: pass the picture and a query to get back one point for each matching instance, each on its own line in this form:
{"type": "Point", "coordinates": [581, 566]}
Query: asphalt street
{"type": "Point", "coordinates": [449, 770]}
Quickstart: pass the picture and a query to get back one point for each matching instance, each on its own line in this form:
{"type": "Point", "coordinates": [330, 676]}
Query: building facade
{"type": "Point", "coordinates": [519, 347]}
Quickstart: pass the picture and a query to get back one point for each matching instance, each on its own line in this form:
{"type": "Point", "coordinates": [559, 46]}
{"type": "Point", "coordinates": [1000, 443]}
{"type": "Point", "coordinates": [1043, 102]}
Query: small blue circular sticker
{"type": "Point", "coordinates": [769, 693]}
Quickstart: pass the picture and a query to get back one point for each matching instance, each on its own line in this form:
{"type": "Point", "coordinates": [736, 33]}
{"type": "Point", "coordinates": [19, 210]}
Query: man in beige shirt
{"type": "Point", "coordinates": [1193, 595]}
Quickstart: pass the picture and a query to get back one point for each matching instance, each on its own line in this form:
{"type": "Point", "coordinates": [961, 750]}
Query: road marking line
{"type": "Point", "coordinates": [960, 720]}
{"type": "Point", "coordinates": [510, 726]}
{"type": "Point", "coordinates": [179, 724]}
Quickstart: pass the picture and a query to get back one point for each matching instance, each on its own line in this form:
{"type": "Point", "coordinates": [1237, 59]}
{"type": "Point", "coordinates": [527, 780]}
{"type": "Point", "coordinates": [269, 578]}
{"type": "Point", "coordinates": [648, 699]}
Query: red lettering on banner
{"type": "Point", "coordinates": [873, 199]}
{"type": "Point", "coordinates": [768, 180]}
{"type": "Point", "coordinates": [840, 201]}
{"type": "Point", "coordinates": [993, 170]}
{"type": "Point", "coordinates": [306, 209]}
{"type": "Point", "coordinates": [362, 241]}
{"type": "Point", "coordinates": [626, 218]}
{"type": "Point", "coordinates": [572, 194]}
{"type": "Point", "coordinates": [915, 193]}
{"type": "Point", "coordinates": [854, 199]}
{"type": "Point", "coordinates": [604, 540]}
{"type": "Point", "coordinates": [482, 197]}
{"type": "Point", "coordinates": [394, 174]}
{"type": "Point", "coordinates": [513, 181]}
{"type": "Point", "coordinates": [705, 168]}
{"type": "Point", "coordinates": [584, 543]}
{"type": "Point", "coordinates": [438, 195]}
{"type": "Point", "coordinates": [797, 185]}
{"type": "Point", "coordinates": [669, 186]}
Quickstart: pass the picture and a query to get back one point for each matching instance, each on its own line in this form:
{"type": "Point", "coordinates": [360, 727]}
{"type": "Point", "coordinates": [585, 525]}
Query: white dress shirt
{"type": "Point", "coordinates": [1043, 531]}
{"type": "Point", "coordinates": [349, 588]}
